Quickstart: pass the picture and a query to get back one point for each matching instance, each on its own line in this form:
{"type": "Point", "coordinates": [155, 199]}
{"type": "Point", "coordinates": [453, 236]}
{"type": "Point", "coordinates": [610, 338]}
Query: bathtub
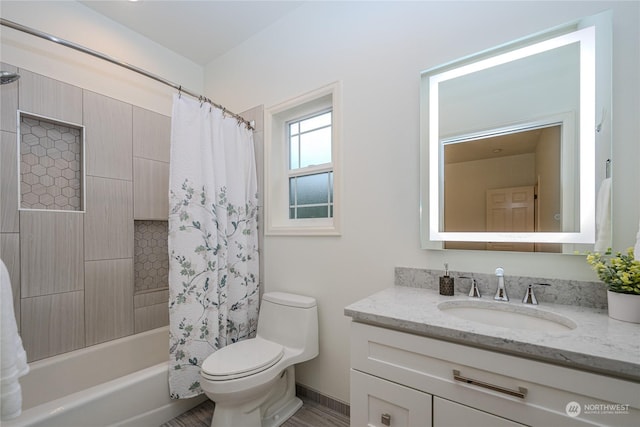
{"type": "Point", "coordinates": [123, 382]}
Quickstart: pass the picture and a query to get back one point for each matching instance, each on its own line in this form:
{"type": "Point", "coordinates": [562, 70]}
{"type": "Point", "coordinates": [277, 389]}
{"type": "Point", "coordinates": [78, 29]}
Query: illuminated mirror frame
{"type": "Point", "coordinates": [431, 80]}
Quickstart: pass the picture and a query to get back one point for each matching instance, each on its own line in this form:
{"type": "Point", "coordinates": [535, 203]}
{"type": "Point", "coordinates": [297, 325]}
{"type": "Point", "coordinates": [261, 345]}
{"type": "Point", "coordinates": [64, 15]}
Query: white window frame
{"type": "Point", "coordinates": [276, 163]}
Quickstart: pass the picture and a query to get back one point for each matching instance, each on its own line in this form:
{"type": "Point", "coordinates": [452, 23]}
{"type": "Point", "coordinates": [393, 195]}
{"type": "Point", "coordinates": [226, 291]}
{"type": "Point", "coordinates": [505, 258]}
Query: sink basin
{"type": "Point", "coordinates": [507, 315]}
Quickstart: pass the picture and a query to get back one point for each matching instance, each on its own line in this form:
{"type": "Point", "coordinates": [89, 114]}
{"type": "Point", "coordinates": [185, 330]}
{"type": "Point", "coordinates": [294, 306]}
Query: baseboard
{"type": "Point", "coordinates": [331, 403]}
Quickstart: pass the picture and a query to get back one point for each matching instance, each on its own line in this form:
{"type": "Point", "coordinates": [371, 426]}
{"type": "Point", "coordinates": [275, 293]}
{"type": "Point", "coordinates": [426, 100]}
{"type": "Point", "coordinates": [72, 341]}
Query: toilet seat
{"type": "Point", "coordinates": [241, 359]}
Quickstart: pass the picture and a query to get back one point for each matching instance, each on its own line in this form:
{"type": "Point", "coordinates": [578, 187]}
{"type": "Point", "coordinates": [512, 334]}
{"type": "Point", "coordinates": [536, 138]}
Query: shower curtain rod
{"type": "Point", "coordinates": [115, 61]}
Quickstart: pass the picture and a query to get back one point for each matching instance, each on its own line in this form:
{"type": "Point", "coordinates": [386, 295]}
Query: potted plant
{"type": "Point", "coordinates": [621, 274]}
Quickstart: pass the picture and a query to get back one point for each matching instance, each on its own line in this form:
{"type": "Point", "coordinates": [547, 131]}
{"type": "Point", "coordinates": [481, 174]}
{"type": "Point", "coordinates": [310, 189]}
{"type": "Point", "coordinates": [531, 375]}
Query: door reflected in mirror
{"type": "Point", "coordinates": [507, 182]}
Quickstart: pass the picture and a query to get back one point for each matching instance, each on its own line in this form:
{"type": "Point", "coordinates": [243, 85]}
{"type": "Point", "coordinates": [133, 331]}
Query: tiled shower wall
{"type": "Point", "coordinates": [72, 273]}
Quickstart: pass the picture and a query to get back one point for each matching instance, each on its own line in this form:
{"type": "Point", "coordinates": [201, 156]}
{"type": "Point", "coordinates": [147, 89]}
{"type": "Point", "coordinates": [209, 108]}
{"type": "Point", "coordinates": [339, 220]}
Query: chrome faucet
{"type": "Point", "coordinates": [474, 291]}
{"type": "Point", "coordinates": [501, 292]}
{"type": "Point", "coordinates": [529, 296]}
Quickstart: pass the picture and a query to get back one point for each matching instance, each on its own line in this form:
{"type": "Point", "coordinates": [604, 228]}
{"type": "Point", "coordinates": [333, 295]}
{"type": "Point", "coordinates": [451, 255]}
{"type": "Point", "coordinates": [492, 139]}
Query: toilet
{"type": "Point", "coordinates": [252, 382]}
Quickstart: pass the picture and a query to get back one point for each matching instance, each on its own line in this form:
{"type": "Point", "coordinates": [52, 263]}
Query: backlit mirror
{"type": "Point", "coordinates": [516, 144]}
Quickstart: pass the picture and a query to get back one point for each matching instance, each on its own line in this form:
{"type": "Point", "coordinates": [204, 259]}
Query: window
{"type": "Point", "coordinates": [301, 165]}
{"type": "Point", "coordinates": [310, 167]}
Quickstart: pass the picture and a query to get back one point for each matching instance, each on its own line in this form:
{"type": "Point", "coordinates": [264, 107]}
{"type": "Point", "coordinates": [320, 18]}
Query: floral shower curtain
{"type": "Point", "coordinates": [213, 239]}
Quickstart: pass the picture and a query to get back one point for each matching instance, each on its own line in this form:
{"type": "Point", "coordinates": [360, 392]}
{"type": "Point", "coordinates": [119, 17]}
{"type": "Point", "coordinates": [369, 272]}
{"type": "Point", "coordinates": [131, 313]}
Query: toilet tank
{"type": "Point", "coordinates": [290, 320]}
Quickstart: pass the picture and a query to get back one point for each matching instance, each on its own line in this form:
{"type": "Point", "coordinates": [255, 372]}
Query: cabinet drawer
{"type": "Point", "coordinates": [452, 414]}
{"type": "Point", "coordinates": [379, 403]}
{"type": "Point", "coordinates": [428, 365]}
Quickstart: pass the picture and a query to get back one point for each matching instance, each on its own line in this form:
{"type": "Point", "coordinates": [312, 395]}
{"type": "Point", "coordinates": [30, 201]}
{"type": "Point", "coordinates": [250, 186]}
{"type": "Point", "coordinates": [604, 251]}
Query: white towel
{"type": "Point", "coordinates": [13, 359]}
{"type": "Point", "coordinates": [603, 217]}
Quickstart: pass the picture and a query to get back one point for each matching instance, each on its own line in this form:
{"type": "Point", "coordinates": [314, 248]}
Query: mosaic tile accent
{"type": "Point", "coordinates": [50, 165]}
{"type": "Point", "coordinates": [151, 256]}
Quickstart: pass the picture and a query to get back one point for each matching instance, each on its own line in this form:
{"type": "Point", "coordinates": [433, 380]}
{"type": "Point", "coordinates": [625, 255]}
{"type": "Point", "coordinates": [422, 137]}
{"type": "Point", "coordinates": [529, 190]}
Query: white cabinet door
{"type": "Point", "coordinates": [450, 414]}
{"type": "Point", "coordinates": [379, 403]}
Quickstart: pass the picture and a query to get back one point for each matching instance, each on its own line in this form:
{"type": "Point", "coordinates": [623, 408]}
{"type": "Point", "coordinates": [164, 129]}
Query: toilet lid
{"type": "Point", "coordinates": [241, 359]}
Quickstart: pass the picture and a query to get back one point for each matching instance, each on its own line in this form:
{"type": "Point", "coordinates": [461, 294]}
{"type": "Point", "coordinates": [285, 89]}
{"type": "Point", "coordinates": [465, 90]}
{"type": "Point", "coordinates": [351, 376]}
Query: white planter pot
{"type": "Point", "coordinates": [625, 307]}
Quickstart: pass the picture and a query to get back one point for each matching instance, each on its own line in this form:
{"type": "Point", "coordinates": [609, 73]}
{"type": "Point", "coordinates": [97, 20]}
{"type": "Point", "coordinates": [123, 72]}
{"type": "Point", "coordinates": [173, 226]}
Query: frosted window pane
{"type": "Point", "coordinates": [309, 196]}
{"type": "Point", "coordinates": [331, 189]}
{"type": "Point", "coordinates": [312, 189]}
{"type": "Point", "coordinates": [294, 128]}
{"type": "Point", "coordinates": [313, 212]}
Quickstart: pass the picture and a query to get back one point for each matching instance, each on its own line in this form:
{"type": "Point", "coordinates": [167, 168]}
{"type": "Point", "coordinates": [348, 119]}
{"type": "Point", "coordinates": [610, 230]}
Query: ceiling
{"type": "Point", "coordinates": [508, 144]}
{"type": "Point", "coordinates": [198, 30]}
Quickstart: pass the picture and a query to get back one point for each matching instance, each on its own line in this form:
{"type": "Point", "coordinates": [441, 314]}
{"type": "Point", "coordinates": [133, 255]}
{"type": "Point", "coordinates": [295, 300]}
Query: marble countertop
{"type": "Point", "coordinates": [598, 344]}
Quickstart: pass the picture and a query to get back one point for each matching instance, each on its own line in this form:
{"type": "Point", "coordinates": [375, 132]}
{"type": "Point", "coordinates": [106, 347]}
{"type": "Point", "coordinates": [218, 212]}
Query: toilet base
{"type": "Point", "coordinates": [270, 410]}
{"type": "Point", "coordinates": [283, 414]}
{"type": "Point", "coordinates": [236, 418]}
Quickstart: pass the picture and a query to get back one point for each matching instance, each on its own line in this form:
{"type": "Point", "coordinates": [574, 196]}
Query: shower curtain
{"type": "Point", "coordinates": [213, 239]}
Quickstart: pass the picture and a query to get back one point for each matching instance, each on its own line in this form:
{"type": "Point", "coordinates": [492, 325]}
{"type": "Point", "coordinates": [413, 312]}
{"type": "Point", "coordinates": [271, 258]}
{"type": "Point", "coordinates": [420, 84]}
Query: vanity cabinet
{"type": "Point", "coordinates": [386, 403]}
{"type": "Point", "coordinates": [421, 381]}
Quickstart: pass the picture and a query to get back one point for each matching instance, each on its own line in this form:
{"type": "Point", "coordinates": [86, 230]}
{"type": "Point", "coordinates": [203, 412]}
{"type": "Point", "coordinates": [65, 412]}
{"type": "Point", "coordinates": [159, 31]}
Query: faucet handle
{"type": "Point", "coordinates": [529, 296]}
{"type": "Point", "coordinates": [474, 291]}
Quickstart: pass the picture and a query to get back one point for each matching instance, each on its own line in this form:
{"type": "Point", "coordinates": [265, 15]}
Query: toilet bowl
{"type": "Point", "coordinates": [252, 382]}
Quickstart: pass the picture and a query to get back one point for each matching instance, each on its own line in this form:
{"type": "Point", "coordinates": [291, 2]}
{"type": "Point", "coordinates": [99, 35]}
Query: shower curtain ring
{"type": "Point", "coordinates": [180, 92]}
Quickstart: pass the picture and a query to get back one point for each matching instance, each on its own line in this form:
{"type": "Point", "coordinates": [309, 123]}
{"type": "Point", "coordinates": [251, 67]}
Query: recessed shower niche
{"type": "Point", "coordinates": [51, 166]}
{"type": "Point", "coordinates": [151, 256]}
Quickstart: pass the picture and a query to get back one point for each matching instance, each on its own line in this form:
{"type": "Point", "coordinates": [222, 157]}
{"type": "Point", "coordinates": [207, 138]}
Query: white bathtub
{"type": "Point", "coordinates": [122, 382]}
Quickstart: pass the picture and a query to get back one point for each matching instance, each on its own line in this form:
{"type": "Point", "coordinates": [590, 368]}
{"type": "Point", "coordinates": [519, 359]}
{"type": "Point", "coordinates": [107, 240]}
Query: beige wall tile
{"type": "Point", "coordinates": [255, 114]}
{"type": "Point", "coordinates": [8, 101]}
{"type": "Point", "coordinates": [151, 317]}
{"type": "Point", "coordinates": [9, 221]}
{"type": "Point", "coordinates": [50, 98]}
{"type": "Point", "coordinates": [108, 299]}
{"type": "Point", "coordinates": [151, 189]}
{"type": "Point", "coordinates": [108, 224]}
{"type": "Point", "coordinates": [146, 299]}
{"type": "Point", "coordinates": [108, 136]}
{"type": "Point", "coordinates": [52, 324]}
{"type": "Point", "coordinates": [51, 252]}
{"type": "Point", "coordinates": [151, 135]}
{"type": "Point", "coordinates": [10, 255]}
{"type": "Point", "coordinates": [258, 147]}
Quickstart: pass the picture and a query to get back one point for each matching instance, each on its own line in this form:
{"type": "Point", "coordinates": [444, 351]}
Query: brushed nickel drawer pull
{"type": "Point", "coordinates": [385, 419]}
{"type": "Point", "coordinates": [521, 392]}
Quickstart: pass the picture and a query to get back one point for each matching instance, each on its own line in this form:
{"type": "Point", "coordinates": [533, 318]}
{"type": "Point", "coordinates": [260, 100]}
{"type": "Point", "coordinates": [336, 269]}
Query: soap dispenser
{"type": "Point", "coordinates": [446, 282]}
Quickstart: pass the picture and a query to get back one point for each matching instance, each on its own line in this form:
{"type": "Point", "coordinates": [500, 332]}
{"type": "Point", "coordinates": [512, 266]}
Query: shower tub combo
{"type": "Point", "coordinates": [122, 382]}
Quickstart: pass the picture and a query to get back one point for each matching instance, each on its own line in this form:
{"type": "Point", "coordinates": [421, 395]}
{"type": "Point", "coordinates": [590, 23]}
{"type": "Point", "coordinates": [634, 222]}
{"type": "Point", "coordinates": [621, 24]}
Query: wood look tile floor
{"type": "Point", "coordinates": [311, 414]}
